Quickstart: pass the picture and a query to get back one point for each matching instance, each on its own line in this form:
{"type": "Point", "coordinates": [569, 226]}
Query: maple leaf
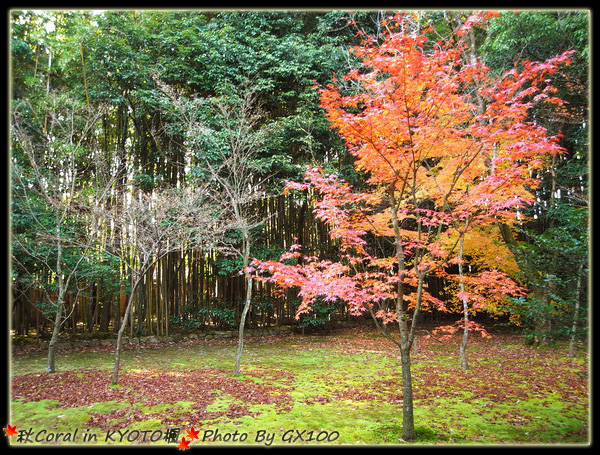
{"type": "Point", "coordinates": [183, 444]}
{"type": "Point", "coordinates": [10, 431]}
{"type": "Point", "coordinates": [192, 434]}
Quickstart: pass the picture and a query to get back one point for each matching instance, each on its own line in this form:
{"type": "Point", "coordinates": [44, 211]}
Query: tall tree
{"type": "Point", "coordinates": [159, 223]}
{"type": "Point", "coordinates": [225, 156]}
{"type": "Point", "coordinates": [53, 168]}
{"type": "Point", "coordinates": [432, 160]}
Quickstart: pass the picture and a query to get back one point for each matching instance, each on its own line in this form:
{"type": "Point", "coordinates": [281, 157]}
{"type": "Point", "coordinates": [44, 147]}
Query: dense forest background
{"type": "Point", "coordinates": [91, 115]}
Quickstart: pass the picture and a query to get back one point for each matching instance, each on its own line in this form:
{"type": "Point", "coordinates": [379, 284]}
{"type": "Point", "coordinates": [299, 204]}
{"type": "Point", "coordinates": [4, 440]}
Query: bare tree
{"type": "Point", "coordinates": [238, 184]}
{"type": "Point", "coordinates": [226, 151]}
{"type": "Point", "coordinates": [154, 225]}
{"type": "Point", "coordinates": [53, 164]}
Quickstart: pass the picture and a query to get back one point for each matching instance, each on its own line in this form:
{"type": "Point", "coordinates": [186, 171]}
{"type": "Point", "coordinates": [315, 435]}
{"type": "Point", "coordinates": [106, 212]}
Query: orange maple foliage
{"type": "Point", "coordinates": [435, 156]}
{"type": "Point", "coordinates": [446, 148]}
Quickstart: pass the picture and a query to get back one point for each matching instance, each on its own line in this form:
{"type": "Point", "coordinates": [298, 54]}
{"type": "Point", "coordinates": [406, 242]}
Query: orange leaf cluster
{"type": "Point", "coordinates": [446, 147]}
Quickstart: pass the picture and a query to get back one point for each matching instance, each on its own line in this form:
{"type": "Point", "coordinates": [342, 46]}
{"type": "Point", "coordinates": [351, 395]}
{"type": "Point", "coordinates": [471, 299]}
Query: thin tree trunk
{"type": "Point", "coordinates": [120, 340]}
{"type": "Point", "coordinates": [463, 346]}
{"type": "Point", "coordinates": [122, 328]}
{"type": "Point", "coordinates": [247, 303]}
{"type": "Point", "coordinates": [60, 302]}
{"type": "Point", "coordinates": [51, 366]}
{"type": "Point", "coordinates": [87, 96]}
{"type": "Point", "coordinates": [48, 76]}
{"type": "Point", "coordinates": [408, 423]}
{"type": "Point", "coordinates": [576, 313]}
{"type": "Point", "coordinates": [408, 420]}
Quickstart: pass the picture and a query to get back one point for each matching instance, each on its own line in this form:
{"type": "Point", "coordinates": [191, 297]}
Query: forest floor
{"type": "Point", "coordinates": [338, 388]}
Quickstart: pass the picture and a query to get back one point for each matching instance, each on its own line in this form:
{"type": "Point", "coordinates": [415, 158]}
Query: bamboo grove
{"type": "Point", "coordinates": [90, 94]}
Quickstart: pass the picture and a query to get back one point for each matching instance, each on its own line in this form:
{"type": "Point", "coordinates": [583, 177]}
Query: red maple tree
{"type": "Point", "coordinates": [444, 146]}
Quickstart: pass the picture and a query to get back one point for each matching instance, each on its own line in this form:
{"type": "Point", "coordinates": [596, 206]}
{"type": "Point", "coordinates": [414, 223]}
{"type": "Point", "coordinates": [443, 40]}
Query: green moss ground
{"type": "Point", "coordinates": [344, 387]}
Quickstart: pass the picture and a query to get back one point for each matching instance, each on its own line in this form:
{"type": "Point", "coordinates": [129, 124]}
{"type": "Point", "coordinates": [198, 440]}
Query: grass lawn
{"type": "Point", "coordinates": [340, 388]}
